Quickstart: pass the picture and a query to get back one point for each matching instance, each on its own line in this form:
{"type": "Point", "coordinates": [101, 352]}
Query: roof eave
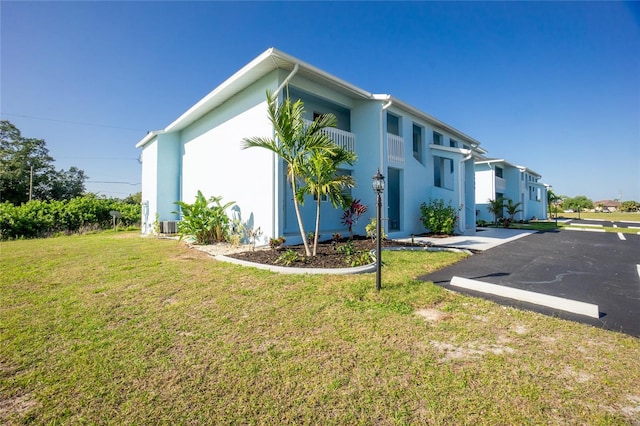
{"type": "Point", "coordinates": [431, 119]}
{"type": "Point", "coordinates": [149, 137]}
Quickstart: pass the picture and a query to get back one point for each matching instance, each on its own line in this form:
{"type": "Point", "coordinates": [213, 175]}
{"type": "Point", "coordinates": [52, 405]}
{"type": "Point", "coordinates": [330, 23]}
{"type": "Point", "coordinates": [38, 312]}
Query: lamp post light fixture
{"type": "Point", "coordinates": [378, 187]}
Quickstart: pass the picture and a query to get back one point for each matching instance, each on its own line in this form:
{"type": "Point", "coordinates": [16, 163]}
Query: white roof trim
{"type": "Point", "coordinates": [148, 137]}
{"type": "Point", "coordinates": [429, 118]}
{"type": "Point", "coordinates": [273, 59]}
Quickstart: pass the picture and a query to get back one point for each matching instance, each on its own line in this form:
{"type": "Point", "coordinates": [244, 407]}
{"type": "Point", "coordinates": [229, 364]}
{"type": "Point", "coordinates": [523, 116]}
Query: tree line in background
{"type": "Point", "coordinates": [36, 219]}
{"type": "Point", "coordinates": [581, 202]}
{"type": "Point", "coordinates": [27, 171]}
{"type": "Point", "coordinates": [36, 200]}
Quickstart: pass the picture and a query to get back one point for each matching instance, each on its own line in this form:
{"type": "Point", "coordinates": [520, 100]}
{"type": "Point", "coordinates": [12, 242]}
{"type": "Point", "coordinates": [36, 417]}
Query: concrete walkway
{"type": "Point", "coordinates": [484, 239]}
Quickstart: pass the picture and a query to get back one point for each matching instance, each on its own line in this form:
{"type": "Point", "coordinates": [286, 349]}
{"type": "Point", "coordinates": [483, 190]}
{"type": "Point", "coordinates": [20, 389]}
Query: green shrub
{"type": "Point", "coordinates": [437, 217]}
{"type": "Point", "coordinates": [371, 230]}
{"type": "Point", "coordinates": [346, 248]}
{"type": "Point", "coordinates": [288, 258]}
{"type": "Point", "coordinates": [205, 220]}
{"type": "Point", "coordinates": [42, 218]}
{"type": "Point", "coordinates": [359, 258]}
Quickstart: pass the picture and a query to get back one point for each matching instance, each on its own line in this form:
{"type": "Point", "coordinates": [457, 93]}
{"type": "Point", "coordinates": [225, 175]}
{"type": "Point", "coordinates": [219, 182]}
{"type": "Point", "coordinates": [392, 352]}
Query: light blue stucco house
{"type": "Point", "coordinates": [498, 178]}
{"type": "Point", "coordinates": [421, 157]}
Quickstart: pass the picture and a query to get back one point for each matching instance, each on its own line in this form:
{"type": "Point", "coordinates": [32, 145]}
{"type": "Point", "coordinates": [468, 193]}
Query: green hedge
{"type": "Point", "coordinates": [37, 219]}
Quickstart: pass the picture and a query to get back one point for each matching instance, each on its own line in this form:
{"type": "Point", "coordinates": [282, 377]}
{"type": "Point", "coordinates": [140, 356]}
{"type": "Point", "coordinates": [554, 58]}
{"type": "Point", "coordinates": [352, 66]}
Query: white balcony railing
{"type": "Point", "coordinates": [342, 138]}
{"type": "Point", "coordinates": [395, 148]}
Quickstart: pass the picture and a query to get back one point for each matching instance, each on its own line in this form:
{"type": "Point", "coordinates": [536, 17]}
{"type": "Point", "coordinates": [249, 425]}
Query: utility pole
{"type": "Point", "coordinates": [31, 183]}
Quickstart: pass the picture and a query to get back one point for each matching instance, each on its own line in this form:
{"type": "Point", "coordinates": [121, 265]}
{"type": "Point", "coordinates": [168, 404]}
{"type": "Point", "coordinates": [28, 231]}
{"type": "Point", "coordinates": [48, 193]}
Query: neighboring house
{"type": "Point", "coordinates": [498, 178]}
{"type": "Point", "coordinates": [421, 157]}
{"type": "Point", "coordinates": [607, 205]}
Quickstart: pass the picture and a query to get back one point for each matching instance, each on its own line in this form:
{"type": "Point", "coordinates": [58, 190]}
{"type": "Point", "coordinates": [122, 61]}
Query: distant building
{"type": "Point", "coordinates": [497, 178]}
{"type": "Point", "coordinates": [606, 205]}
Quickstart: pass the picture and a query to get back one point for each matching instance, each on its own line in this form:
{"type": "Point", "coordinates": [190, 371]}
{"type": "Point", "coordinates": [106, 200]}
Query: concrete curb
{"type": "Point", "coordinates": [568, 305]}
{"type": "Point", "coordinates": [365, 269]}
{"type": "Point", "coordinates": [300, 271]}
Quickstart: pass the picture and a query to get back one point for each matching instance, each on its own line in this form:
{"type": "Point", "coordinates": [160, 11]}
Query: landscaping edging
{"type": "Point", "coordinates": [331, 271]}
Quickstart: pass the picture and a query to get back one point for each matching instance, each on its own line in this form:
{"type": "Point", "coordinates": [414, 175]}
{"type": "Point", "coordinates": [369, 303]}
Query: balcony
{"type": "Point", "coordinates": [342, 138]}
{"type": "Point", "coordinates": [395, 148]}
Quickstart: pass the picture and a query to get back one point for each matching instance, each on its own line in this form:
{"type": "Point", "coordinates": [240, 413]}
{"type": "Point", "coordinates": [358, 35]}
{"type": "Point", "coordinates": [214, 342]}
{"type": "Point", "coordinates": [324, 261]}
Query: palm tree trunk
{"type": "Point", "coordinates": [317, 233]}
{"type": "Point", "coordinates": [307, 250]}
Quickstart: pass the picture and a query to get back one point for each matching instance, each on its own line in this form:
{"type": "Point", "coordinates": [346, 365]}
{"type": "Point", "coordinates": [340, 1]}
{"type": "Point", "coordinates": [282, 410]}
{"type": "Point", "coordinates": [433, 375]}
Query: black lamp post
{"type": "Point", "coordinates": [378, 187]}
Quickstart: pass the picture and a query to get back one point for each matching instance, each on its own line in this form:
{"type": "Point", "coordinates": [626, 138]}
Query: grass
{"type": "Point", "coordinates": [551, 224]}
{"type": "Point", "coordinates": [116, 329]}
{"type": "Point", "coordinates": [615, 216]}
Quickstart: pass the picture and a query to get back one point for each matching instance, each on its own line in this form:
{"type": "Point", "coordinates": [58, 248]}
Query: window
{"type": "Point", "coordinates": [417, 142]}
{"type": "Point", "coordinates": [498, 172]}
{"type": "Point", "coordinates": [443, 172]}
{"type": "Point", "coordinates": [393, 124]}
{"type": "Point", "coordinates": [453, 143]}
{"type": "Point", "coordinates": [437, 138]}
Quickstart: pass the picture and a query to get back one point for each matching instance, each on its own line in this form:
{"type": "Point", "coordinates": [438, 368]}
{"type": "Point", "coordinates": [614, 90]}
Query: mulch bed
{"type": "Point", "coordinates": [327, 255]}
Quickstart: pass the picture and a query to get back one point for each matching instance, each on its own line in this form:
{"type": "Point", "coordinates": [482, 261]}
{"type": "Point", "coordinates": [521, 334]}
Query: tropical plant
{"type": "Point", "coordinates": [438, 217]}
{"type": "Point", "coordinates": [552, 201]}
{"type": "Point", "coordinates": [352, 214]}
{"type": "Point", "coordinates": [512, 208]}
{"type": "Point", "coordinates": [288, 258]}
{"type": "Point", "coordinates": [322, 180]}
{"type": "Point", "coordinates": [348, 248]}
{"type": "Point", "coordinates": [276, 243]}
{"type": "Point", "coordinates": [496, 208]}
{"type": "Point", "coordinates": [294, 143]}
{"type": "Point", "coordinates": [359, 258]}
{"type": "Point", "coordinates": [371, 230]}
{"type": "Point", "coordinates": [205, 220]}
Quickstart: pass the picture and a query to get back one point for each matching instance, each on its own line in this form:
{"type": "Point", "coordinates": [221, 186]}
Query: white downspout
{"type": "Point", "coordinates": [274, 178]}
{"type": "Point", "coordinates": [286, 80]}
{"type": "Point", "coordinates": [381, 160]}
{"type": "Point", "coordinates": [461, 192]}
{"type": "Point", "coordinates": [384, 107]}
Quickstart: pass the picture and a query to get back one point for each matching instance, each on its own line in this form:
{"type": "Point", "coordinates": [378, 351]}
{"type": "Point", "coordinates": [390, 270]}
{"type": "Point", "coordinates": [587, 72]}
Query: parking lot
{"type": "Point", "coordinates": [600, 268]}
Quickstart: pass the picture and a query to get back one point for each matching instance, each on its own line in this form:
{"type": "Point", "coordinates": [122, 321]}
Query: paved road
{"type": "Point", "coordinates": [591, 267]}
{"type": "Point", "coordinates": [604, 222]}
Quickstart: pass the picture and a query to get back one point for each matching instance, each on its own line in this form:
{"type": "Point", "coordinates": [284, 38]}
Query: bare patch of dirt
{"type": "Point", "coordinates": [432, 315]}
{"type": "Point", "coordinates": [452, 352]}
{"type": "Point", "coordinates": [16, 406]}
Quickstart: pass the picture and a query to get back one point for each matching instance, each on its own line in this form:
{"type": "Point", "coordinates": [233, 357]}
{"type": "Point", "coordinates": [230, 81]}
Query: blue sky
{"type": "Point", "coordinates": [551, 86]}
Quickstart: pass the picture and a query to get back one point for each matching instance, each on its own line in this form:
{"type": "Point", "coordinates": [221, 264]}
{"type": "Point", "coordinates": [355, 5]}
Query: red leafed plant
{"type": "Point", "coordinates": [352, 214]}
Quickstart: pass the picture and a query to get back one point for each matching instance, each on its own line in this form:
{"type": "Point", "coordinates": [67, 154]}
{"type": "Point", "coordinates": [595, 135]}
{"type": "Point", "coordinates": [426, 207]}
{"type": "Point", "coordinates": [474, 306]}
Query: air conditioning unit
{"type": "Point", "coordinates": [168, 227]}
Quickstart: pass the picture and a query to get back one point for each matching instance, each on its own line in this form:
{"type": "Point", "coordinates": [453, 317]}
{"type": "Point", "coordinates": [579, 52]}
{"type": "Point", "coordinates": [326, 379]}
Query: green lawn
{"type": "Point", "coordinates": [615, 216]}
{"type": "Point", "coordinates": [117, 329]}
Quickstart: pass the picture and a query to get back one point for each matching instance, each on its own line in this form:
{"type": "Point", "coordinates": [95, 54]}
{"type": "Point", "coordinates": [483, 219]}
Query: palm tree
{"type": "Point", "coordinates": [496, 207]}
{"type": "Point", "coordinates": [513, 209]}
{"type": "Point", "coordinates": [294, 143]}
{"type": "Point", "coordinates": [322, 180]}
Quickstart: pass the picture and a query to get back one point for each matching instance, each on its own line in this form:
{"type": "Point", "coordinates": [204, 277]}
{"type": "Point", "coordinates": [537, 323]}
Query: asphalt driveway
{"type": "Point", "coordinates": [592, 267]}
